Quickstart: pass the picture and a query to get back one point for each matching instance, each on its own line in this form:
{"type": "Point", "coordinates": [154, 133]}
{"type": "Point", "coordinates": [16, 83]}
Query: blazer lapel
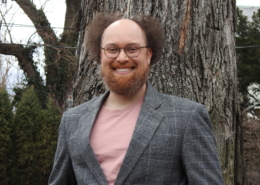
{"type": "Point", "coordinates": [86, 122]}
{"type": "Point", "coordinates": [148, 121]}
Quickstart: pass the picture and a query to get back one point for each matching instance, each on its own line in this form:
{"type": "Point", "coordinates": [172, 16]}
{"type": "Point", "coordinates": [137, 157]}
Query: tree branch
{"type": "Point", "coordinates": [72, 10]}
{"type": "Point", "coordinates": [71, 16]}
{"type": "Point", "coordinates": [39, 20]}
{"type": "Point", "coordinates": [24, 58]}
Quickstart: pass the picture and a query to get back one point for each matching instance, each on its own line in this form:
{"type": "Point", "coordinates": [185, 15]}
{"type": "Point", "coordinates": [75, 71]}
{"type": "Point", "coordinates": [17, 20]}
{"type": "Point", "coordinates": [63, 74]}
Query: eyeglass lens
{"type": "Point", "coordinates": [132, 50]}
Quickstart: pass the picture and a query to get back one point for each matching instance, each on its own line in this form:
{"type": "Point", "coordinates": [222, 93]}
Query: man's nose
{"type": "Point", "coordinates": [122, 56]}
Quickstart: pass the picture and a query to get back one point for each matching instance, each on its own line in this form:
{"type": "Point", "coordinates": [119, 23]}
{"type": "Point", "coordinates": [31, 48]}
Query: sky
{"type": "Point", "coordinates": [248, 2]}
{"type": "Point", "coordinates": [22, 33]}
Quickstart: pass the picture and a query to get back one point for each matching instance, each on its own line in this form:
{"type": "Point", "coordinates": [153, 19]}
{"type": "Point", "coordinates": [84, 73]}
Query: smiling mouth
{"type": "Point", "coordinates": [124, 69]}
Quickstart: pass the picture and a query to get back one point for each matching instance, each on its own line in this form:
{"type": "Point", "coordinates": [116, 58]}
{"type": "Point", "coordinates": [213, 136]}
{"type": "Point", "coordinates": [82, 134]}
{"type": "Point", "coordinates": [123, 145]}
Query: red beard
{"type": "Point", "coordinates": [124, 85]}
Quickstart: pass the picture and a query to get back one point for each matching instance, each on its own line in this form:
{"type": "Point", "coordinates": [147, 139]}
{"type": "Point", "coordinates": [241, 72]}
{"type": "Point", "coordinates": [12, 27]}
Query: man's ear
{"type": "Point", "coordinates": [149, 55]}
{"type": "Point", "coordinates": [100, 53]}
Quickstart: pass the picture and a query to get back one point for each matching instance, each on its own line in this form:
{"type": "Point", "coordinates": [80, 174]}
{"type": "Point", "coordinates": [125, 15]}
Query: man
{"type": "Point", "coordinates": [133, 134]}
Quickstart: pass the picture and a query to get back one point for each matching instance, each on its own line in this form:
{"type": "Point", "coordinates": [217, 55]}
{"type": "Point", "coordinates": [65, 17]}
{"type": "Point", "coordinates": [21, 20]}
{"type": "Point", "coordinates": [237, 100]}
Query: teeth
{"type": "Point", "coordinates": [122, 70]}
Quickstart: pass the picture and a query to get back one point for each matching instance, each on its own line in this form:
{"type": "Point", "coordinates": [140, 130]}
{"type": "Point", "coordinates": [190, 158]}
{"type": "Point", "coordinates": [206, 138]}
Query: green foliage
{"type": "Point", "coordinates": [47, 139]}
{"type": "Point", "coordinates": [25, 138]}
{"type": "Point", "coordinates": [6, 119]}
{"type": "Point", "coordinates": [34, 136]}
{"type": "Point", "coordinates": [248, 59]}
{"type": "Point", "coordinates": [18, 95]}
{"type": "Point", "coordinates": [35, 80]}
{"type": "Point", "coordinates": [57, 74]}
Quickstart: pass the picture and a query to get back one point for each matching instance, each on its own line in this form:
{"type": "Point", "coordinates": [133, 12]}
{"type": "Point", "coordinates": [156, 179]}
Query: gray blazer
{"type": "Point", "coordinates": [172, 144]}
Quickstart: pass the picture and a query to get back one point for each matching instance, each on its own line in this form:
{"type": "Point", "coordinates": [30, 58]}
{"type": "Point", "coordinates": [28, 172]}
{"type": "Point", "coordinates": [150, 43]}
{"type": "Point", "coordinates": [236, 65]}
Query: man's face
{"type": "Point", "coordinates": [124, 75]}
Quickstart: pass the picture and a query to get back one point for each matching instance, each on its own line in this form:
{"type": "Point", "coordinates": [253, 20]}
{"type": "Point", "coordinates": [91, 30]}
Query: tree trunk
{"type": "Point", "coordinates": [199, 63]}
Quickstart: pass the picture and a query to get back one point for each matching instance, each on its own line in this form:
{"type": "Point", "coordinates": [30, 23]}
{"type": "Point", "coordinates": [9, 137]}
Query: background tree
{"type": "Point", "coordinates": [25, 132]}
{"type": "Point", "coordinates": [6, 120]}
{"type": "Point", "coordinates": [34, 140]}
{"type": "Point", "coordinates": [248, 41]}
{"type": "Point", "coordinates": [199, 63]}
{"type": "Point", "coordinates": [248, 57]}
{"type": "Point", "coordinates": [47, 137]}
{"type": "Point", "coordinates": [59, 52]}
{"type": "Point", "coordinates": [35, 131]}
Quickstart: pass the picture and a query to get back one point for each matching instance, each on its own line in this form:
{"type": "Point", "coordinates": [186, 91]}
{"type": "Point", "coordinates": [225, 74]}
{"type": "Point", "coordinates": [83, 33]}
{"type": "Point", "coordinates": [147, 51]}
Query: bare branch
{"type": "Point", "coordinates": [29, 40]}
{"type": "Point", "coordinates": [7, 28]}
{"type": "Point", "coordinates": [4, 73]}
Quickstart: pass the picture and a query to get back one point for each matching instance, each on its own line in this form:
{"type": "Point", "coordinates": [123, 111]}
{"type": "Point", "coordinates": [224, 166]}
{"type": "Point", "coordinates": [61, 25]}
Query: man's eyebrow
{"type": "Point", "coordinates": [109, 44]}
{"type": "Point", "coordinates": [133, 43]}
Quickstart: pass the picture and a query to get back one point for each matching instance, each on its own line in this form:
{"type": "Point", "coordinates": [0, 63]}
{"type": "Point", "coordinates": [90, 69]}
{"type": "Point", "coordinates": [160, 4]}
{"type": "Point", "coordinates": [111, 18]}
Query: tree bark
{"type": "Point", "coordinates": [199, 63]}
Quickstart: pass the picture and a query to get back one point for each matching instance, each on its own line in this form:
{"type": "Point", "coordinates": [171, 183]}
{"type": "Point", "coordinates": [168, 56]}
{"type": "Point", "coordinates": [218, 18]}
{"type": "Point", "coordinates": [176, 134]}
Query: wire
{"type": "Point", "coordinates": [68, 47]}
{"type": "Point", "coordinates": [40, 45]}
{"type": "Point", "coordinates": [247, 32]}
{"type": "Point", "coordinates": [255, 46]}
{"type": "Point", "coordinates": [24, 25]}
{"type": "Point", "coordinates": [32, 26]}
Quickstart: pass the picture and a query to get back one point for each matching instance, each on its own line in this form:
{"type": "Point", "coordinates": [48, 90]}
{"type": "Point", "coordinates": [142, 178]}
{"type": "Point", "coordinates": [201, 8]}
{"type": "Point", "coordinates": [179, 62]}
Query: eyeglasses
{"type": "Point", "coordinates": [131, 50]}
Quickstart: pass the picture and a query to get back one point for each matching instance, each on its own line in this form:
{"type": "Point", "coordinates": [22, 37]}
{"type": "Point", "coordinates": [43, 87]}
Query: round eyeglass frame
{"type": "Point", "coordinates": [124, 50]}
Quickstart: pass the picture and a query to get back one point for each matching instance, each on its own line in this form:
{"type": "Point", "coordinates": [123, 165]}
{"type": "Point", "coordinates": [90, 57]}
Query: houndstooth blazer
{"type": "Point", "coordinates": [172, 144]}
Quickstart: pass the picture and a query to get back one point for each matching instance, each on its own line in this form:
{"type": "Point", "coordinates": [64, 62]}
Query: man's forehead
{"type": "Point", "coordinates": [123, 23]}
{"type": "Point", "coordinates": [124, 26]}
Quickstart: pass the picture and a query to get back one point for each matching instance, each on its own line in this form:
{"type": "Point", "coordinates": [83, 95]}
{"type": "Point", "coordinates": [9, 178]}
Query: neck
{"type": "Point", "coordinates": [120, 102]}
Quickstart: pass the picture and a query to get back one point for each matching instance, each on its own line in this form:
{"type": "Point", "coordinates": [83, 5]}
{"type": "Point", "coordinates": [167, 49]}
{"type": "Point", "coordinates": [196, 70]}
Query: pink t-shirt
{"type": "Point", "coordinates": [111, 135]}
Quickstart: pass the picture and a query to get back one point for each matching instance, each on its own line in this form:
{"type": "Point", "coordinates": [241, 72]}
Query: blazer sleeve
{"type": "Point", "coordinates": [199, 153]}
{"type": "Point", "coordinates": [62, 172]}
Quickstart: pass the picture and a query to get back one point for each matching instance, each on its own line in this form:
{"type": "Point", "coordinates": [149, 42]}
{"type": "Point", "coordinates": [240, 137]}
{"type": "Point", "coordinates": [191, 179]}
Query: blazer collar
{"type": "Point", "coordinates": [147, 124]}
{"type": "Point", "coordinates": [151, 97]}
{"type": "Point", "coordinates": [85, 125]}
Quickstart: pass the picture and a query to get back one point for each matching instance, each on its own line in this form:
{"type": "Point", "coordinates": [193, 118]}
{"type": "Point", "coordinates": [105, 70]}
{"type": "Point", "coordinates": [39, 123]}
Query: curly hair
{"type": "Point", "coordinates": [150, 25]}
